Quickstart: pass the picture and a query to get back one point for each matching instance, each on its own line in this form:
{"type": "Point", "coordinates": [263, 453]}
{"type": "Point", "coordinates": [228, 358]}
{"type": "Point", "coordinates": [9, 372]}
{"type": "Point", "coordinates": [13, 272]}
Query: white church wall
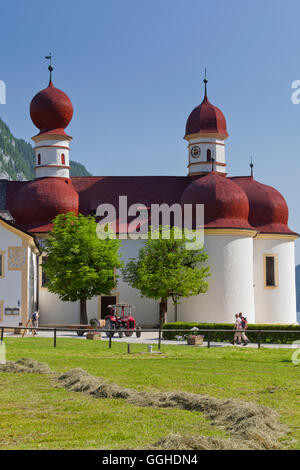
{"type": "Point", "coordinates": [275, 305]}
{"type": "Point", "coordinates": [92, 308]}
{"type": "Point", "coordinates": [55, 311]}
{"type": "Point", "coordinates": [50, 152]}
{"type": "Point", "coordinates": [35, 262]}
{"type": "Point", "coordinates": [51, 171]}
{"type": "Point", "coordinates": [11, 283]}
{"type": "Point", "coordinates": [32, 271]}
{"type": "Point", "coordinates": [217, 148]}
{"type": "Point", "coordinates": [230, 287]}
{"type": "Point", "coordinates": [52, 155]}
{"type": "Point", "coordinates": [230, 284]}
{"type": "Point", "coordinates": [146, 311]}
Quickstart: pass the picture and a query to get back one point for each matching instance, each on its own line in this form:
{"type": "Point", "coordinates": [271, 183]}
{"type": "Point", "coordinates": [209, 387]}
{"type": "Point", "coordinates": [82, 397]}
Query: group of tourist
{"type": "Point", "coordinates": [240, 327]}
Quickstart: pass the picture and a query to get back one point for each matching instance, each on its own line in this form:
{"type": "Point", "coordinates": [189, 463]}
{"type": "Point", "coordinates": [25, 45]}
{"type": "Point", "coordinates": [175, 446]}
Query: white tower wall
{"type": "Point", "coordinates": [275, 304]}
{"type": "Point", "coordinates": [230, 284]}
{"type": "Point", "coordinates": [197, 153]}
{"type": "Point", "coordinates": [52, 158]}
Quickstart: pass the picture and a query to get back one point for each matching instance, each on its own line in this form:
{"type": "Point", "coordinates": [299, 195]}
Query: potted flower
{"type": "Point", "coordinates": [194, 339]}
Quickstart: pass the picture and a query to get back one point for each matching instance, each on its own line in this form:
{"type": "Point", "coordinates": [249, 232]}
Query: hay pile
{"type": "Point", "coordinates": [246, 421]}
{"type": "Point", "coordinates": [26, 365]}
{"type": "Point", "coordinates": [177, 442]}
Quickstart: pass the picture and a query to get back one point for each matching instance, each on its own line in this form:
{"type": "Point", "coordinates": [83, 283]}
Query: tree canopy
{"type": "Point", "coordinates": [79, 264]}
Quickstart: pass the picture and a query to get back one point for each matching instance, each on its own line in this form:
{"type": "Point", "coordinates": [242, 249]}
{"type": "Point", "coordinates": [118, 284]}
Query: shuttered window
{"type": "Point", "coordinates": [270, 271]}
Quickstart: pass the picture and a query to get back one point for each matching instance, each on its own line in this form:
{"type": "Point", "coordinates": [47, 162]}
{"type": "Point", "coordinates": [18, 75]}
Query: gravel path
{"type": "Point", "coordinates": [146, 338]}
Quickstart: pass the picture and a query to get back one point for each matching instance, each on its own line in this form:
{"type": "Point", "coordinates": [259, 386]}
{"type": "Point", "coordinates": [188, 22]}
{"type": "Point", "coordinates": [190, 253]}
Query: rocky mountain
{"type": "Point", "coordinates": [17, 158]}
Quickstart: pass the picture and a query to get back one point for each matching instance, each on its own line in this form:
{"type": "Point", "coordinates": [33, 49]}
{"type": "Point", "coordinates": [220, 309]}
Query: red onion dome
{"type": "Point", "coordinates": [51, 110]}
{"type": "Point", "coordinates": [41, 200]}
{"type": "Point", "coordinates": [268, 210]}
{"type": "Point", "coordinates": [225, 203]}
{"type": "Point", "coordinates": [207, 119]}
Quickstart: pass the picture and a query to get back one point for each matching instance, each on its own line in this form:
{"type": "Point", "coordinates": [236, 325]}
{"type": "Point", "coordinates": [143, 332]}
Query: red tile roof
{"type": "Point", "coordinates": [227, 200]}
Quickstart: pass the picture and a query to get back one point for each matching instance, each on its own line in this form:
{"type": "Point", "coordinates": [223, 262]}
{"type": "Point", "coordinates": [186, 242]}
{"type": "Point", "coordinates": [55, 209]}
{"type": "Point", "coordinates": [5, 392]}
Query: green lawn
{"type": "Point", "coordinates": [38, 415]}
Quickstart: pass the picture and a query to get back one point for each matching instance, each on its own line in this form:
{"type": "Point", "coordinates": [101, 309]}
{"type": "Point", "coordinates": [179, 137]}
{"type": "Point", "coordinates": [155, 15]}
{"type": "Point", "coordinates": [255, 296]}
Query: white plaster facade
{"type": "Point", "coordinates": [198, 148]}
{"type": "Point", "coordinates": [236, 284]}
{"type": "Point", "coordinates": [230, 284]}
{"type": "Point", "coordinates": [52, 157]}
{"type": "Point", "coordinates": [275, 304]}
{"type": "Point", "coordinates": [18, 282]}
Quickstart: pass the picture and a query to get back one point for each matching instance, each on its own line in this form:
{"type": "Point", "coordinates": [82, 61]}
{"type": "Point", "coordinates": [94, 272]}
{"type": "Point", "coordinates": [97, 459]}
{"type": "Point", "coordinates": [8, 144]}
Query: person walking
{"type": "Point", "coordinates": [35, 320]}
{"type": "Point", "coordinates": [237, 328]}
{"type": "Point", "coordinates": [244, 325]}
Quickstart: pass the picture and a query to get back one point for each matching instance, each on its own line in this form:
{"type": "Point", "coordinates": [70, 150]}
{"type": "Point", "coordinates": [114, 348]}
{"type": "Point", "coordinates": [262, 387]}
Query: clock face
{"type": "Point", "coordinates": [16, 257]}
{"type": "Point", "coordinates": [195, 151]}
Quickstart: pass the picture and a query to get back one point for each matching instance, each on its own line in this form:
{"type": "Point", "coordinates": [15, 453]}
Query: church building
{"type": "Point", "coordinates": [246, 233]}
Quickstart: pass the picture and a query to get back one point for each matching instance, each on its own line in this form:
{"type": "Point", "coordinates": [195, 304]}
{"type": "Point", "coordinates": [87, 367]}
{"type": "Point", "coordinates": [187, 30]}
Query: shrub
{"type": "Point", "coordinates": [267, 337]}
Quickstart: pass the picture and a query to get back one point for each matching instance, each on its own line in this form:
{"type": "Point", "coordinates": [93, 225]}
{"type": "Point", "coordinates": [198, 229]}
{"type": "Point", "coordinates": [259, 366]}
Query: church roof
{"type": "Point", "coordinates": [237, 202]}
{"type": "Point", "coordinates": [206, 119]}
{"type": "Point", "coordinates": [225, 203]}
{"type": "Point", "coordinates": [51, 111]}
{"type": "Point", "coordinates": [268, 210]}
{"type": "Point", "coordinates": [229, 203]}
{"type": "Point", "coordinates": [20, 231]}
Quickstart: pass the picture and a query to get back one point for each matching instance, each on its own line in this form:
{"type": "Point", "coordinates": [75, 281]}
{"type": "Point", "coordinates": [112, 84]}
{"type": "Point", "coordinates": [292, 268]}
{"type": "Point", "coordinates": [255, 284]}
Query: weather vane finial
{"type": "Point", "coordinates": [50, 68]}
{"type": "Point", "coordinates": [251, 166]}
{"type": "Point", "coordinates": [205, 81]}
{"type": "Point", "coordinates": [213, 164]}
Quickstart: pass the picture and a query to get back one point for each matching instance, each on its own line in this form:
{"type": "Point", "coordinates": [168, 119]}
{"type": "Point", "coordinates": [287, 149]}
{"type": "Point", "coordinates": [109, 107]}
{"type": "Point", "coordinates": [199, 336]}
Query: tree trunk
{"type": "Point", "coordinates": [83, 314]}
{"type": "Point", "coordinates": [163, 309]}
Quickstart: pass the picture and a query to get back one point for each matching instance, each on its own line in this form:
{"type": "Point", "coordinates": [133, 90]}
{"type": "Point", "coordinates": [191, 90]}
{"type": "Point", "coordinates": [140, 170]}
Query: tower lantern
{"type": "Point", "coordinates": [51, 111]}
{"type": "Point", "coordinates": [206, 132]}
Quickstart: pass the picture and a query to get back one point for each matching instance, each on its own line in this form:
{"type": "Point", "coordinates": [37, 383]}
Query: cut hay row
{"type": "Point", "coordinates": [25, 365]}
{"type": "Point", "coordinates": [178, 442]}
{"type": "Point", "coordinates": [253, 426]}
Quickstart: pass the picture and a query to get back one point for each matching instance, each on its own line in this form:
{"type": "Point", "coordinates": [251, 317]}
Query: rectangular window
{"type": "Point", "coordinates": [270, 270]}
{"type": "Point", "coordinates": [44, 277]}
{"type": "Point", "coordinates": [2, 273]}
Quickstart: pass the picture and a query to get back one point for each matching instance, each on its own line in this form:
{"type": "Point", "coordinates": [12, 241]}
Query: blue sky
{"type": "Point", "coordinates": [134, 71]}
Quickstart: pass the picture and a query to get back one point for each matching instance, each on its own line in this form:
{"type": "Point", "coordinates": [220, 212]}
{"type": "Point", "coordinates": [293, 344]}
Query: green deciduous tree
{"type": "Point", "coordinates": [79, 264]}
{"type": "Point", "coordinates": [165, 268]}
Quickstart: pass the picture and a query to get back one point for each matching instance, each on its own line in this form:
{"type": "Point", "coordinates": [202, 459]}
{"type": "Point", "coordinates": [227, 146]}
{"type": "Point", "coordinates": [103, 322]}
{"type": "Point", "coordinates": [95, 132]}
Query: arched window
{"type": "Point", "coordinates": [39, 159]}
{"type": "Point", "coordinates": [208, 155]}
{"type": "Point", "coordinates": [63, 160]}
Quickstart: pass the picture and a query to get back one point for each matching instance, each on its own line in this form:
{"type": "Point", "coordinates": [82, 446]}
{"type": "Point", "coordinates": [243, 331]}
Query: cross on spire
{"type": "Point", "coordinates": [205, 81]}
{"type": "Point", "coordinates": [50, 68]}
{"type": "Point", "coordinates": [251, 166]}
{"type": "Point", "coordinates": [213, 164]}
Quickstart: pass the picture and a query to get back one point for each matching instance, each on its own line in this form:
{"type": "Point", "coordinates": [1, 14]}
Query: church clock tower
{"type": "Point", "coordinates": [51, 111]}
{"type": "Point", "coordinates": [206, 133]}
